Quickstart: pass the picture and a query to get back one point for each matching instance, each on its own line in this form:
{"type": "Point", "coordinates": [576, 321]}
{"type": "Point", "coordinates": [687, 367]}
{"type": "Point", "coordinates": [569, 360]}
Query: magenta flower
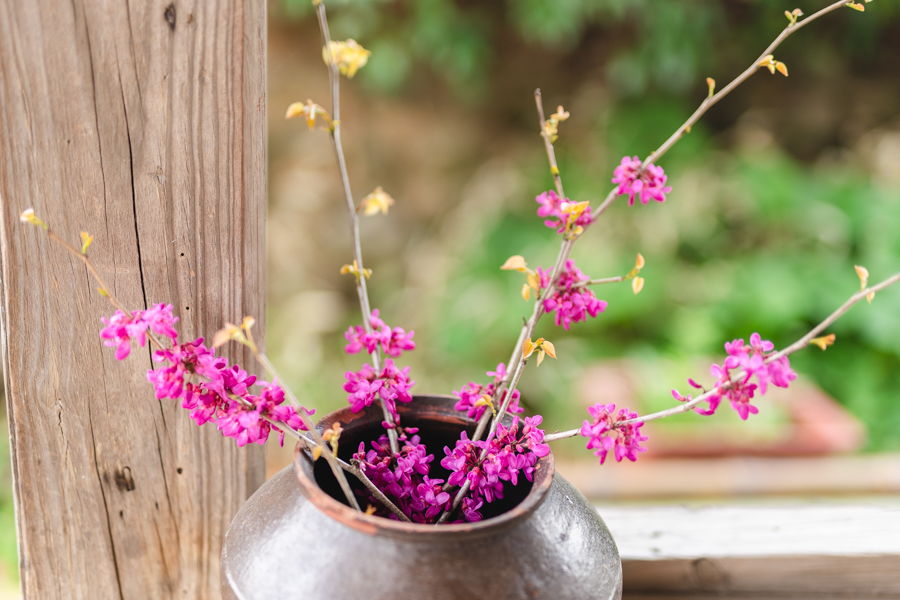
{"type": "Point", "coordinates": [121, 329]}
{"type": "Point", "coordinates": [206, 385]}
{"type": "Point", "coordinates": [650, 184]}
{"type": "Point", "coordinates": [393, 341]}
{"type": "Point", "coordinates": [552, 206]}
{"type": "Point", "coordinates": [607, 432]}
{"type": "Point", "coordinates": [755, 361]}
{"type": "Point", "coordinates": [472, 392]}
{"type": "Point", "coordinates": [570, 303]}
{"type": "Point", "coordinates": [404, 477]}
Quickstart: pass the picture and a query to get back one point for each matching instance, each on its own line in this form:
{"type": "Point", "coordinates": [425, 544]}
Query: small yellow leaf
{"type": "Point", "coordinates": [856, 6]}
{"type": "Point", "coordinates": [561, 115]}
{"type": "Point", "coordinates": [637, 284]}
{"type": "Point", "coordinates": [870, 297]}
{"type": "Point", "coordinates": [687, 128]}
{"type": "Point", "coordinates": [103, 292]}
{"type": "Point", "coordinates": [712, 86]}
{"type": "Point", "coordinates": [863, 274]}
{"type": "Point", "coordinates": [799, 13]}
{"type": "Point", "coordinates": [781, 68]}
{"type": "Point", "coordinates": [317, 452]}
{"type": "Point", "coordinates": [515, 263]}
{"type": "Point", "coordinates": [540, 358]}
{"type": "Point", "coordinates": [377, 202]}
{"type": "Point", "coordinates": [526, 291]}
{"type": "Point", "coordinates": [348, 56]}
{"type": "Point", "coordinates": [639, 263]}
{"type": "Point", "coordinates": [824, 341]}
{"type": "Point", "coordinates": [86, 240]}
{"type": "Point", "coordinates": [533, 282]}
{"type": "Point", "coordinates": [247, 323]}
{"type": "Point", "coordinates": [549, 348]}
{"type": "Point", "coordinates": [295, 110]}
{"type": "Point", "coordinates": [554, 170]}
{"type": "Point", "coordinates": [485, 401]}
{"type": "Point", "coordinates": [28, 216]}
{"type": "Point", "coordinates": [226, 334]}
{"type": "Point", "coordinates": [370, 510]}
{"type": "Point", "coordinates": [527, 348]}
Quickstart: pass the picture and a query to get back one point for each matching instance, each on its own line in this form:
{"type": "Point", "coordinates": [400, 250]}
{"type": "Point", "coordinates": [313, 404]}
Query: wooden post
{"type": "Point", "coordinates": [143, 123]}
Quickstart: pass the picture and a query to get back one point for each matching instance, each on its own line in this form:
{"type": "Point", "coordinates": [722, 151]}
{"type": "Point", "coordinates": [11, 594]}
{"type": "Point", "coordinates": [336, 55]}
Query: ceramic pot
{"type": "Point", "coordinates": [293, 539]}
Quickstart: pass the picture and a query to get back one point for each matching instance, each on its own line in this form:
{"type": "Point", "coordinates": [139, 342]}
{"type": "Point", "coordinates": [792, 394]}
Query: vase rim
{"type": "Point", "coordinates": [439, 407]}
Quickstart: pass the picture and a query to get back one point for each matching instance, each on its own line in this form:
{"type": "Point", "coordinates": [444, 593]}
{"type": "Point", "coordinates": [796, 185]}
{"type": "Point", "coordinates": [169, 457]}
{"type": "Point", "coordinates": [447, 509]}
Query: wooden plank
{"type": "Point", "coordinates": [735, 476]}
{"type": "Point", "coordinates": [142, 122]}
{"type": "Point", "coordinates": [800, 549]}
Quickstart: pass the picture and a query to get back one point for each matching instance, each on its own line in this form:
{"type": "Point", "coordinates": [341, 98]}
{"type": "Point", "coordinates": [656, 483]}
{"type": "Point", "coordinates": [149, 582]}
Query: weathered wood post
{"type": "Point", "coordinates": [143, 123]}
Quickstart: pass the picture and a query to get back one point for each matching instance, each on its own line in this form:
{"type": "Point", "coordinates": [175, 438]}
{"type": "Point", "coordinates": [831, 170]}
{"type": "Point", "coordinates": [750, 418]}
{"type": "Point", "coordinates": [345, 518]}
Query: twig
{"type": "Point", "coordinates": [330, 458]}
{"type": "Point", "coordinates": [798, 345]}
{"type": "Point", "coordinates": [349, 467]}
{"type": "Point", "coordinates": [361, 290]}
{"type": "Point", "coordinates": [301, 411]}
{"type": "Point", "coordinates": [551, 155]}
{"type": "Point", "coordinates": [710, 101]}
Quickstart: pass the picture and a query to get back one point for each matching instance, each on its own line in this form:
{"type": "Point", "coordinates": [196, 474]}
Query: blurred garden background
{"type": "Point", "coordinates": [777, 193]}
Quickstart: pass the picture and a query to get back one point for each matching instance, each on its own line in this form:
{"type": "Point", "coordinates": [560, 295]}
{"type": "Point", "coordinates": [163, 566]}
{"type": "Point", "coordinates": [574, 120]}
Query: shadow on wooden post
{"type": "Point", "coordinates": [143, 123]}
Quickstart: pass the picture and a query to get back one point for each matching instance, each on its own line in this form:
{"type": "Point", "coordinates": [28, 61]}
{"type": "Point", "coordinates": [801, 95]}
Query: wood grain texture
{"type": "Point", "coordinates": [142, 122]}
{"type": "Point", "coordinates": [786, 550]}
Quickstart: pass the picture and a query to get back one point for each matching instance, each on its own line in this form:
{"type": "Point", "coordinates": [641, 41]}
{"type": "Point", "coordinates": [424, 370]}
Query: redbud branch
{"type": "Point", "coordinates": [551, 155]}
{"type": "Point", "coordinates": [310, 426]}
{"type": "Point", "coordinates": [349, 467]}
{"type": "Point", "coordinates": [798, 345]}
{"type": "Point", "coordinates": [564, 251]}
{"type": "Point", "coordinates": [710, 101]}
{"type": "Point", "coordinates": [501, 412]}
{"type": "Point", "coordinates": [83, 258]}
{"type": "Point", "coordinates": [599, 281]}
{"type": "Point", "coordinates": [363, 293]}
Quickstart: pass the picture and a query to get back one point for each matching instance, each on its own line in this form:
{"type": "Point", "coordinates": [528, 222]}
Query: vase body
{"type": "Point", "coordinates": [292, 541]}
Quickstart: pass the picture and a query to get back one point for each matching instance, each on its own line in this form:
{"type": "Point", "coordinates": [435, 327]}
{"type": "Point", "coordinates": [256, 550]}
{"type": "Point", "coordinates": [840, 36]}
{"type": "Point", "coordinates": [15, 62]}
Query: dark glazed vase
{"type": "Point", "coordinates": [293, 540]}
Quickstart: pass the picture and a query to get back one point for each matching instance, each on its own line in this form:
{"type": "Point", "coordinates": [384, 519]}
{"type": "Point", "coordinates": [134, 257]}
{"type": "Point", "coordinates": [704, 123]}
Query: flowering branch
{"type": "Point", "coordinates": [712, 99]}
{"type": "Point", "coordinates": [29, 217]}
{"type": "Point", "coordinates": [350, 467]}
{"type": "Point", "coordinates": [335, 130]}
{"type": "Point", "coordinates": [798, 345]}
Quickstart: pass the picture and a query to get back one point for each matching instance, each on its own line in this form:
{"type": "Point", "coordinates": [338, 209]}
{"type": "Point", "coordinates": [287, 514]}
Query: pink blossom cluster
{"type": "Point", "coordinates": [507, 454]}
{"type": "Point", "coordinates": [551, 206]}
{"type": "Point", "coordinates": [392, 385]}
{"type": "Point", "coordinates": [393, 341]}
{"type": "Point", "coordinates": [472, 392]}
{"type": "Point", "coordinates": [121, 329]}
{"type": "Point", "coordinates": [403, 477]}
{"type": "Point", "coordinates": [570, 303]}
{"type": "Point", "coordinates": [206, 384]}
{"type": "Point", "coordinates": [752, 360]}
{"type": "Point", "coordinates": [607, 432]}
{"type": "Point", "coordinates": [649, 184]}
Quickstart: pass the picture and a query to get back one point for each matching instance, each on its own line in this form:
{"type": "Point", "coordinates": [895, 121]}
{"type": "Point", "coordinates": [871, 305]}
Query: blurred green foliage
{"type": "Point", "coordinates": [660, 45]}
{"type": "Point", "coordinates": [763, 226]}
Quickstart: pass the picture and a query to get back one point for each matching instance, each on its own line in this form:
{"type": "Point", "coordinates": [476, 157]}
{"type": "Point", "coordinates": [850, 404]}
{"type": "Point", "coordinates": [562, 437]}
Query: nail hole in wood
{"type": "Point", "coordinates": [170, 16]}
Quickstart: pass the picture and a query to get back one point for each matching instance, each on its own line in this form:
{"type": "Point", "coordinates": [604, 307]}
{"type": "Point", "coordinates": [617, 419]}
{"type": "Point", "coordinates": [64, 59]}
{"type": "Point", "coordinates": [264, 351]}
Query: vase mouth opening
{"type": "Point", "coordinates": [439, 426]}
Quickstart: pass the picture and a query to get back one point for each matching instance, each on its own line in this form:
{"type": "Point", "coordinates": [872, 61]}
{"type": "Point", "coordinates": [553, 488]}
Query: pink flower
{"type": "Point", "coordinates": [607, 432]}
{"type": "Point", "coordinates": [393, 341]}
{"type": "Point", "coordinates": [755, 361]}
{"type": "Point", "coordinates": [121, 329]}
{"type": "Point", "coordinates": [651, 184]}
{"type": "Point", "coordinates": [472, 392]}
{"type": "Point", "coordinates": [551, 206]}
{"type": "Point", "coordinates": [572, 304]}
